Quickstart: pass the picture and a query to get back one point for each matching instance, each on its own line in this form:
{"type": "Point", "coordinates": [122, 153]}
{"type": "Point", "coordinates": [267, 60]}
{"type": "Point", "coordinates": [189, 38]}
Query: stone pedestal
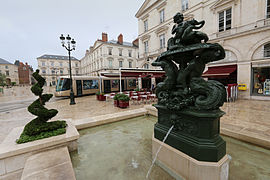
{"type": "Point", "coordinates": [195, 133]}
{"type": "Point", "coordinates": [182, 166]}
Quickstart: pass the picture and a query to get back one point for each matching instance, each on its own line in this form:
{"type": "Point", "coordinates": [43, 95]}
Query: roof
{"type": "Point", "coordinates": [47, 56]}
{"type": "Point", "coordinates": [2, 61]}
{"type": "Point", "coordinates": [124, 43]}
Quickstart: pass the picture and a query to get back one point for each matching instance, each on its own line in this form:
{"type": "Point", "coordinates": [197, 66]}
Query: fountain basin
{"type": "Point", "coordinates": [123, 150]}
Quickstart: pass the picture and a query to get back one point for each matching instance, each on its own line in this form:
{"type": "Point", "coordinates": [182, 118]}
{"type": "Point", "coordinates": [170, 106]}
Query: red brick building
{"type": "Point", "coordinates": [25, 72]}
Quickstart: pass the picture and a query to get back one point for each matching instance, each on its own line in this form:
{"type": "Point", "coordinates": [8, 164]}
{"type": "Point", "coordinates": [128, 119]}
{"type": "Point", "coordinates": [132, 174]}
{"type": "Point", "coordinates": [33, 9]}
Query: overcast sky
{"type": "Point", "coordinates": [31, 28]}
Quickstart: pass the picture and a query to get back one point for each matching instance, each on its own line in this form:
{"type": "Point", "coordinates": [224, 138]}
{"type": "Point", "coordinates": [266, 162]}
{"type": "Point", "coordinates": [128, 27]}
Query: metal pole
{"type": "Point", "coordinates": [72, 101]}
{"type": "Point", "coordinates": [100, 84]}
{"type": "Point", "coordinates": [120, 80]}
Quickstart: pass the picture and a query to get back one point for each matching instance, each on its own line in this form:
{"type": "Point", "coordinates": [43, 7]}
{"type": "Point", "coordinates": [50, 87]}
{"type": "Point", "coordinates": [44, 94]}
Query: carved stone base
{"type": "Point", "coordinates": [182, 166]}
{"type": "Point", "coordinates": [195, 133]}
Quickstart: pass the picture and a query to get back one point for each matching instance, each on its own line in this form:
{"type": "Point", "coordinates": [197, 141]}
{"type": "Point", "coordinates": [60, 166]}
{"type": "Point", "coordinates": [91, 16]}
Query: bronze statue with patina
{"type": "Point", "coordinates": [185, 99]}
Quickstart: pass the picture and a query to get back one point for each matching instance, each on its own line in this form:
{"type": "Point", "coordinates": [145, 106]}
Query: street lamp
{"type": "Point", "coordinates": [70, 42]}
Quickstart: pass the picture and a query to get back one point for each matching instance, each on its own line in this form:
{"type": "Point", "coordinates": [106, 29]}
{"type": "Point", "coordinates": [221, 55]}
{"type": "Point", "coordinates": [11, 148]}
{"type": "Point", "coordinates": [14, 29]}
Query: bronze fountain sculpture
{"type": "Point", "coordinates": [185, 99]}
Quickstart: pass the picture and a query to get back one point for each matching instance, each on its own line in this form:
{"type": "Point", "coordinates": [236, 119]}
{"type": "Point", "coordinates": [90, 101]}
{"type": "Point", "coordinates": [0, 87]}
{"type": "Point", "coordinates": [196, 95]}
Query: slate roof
{"type": "Point", "coordinates": [48, 56]}
{"type": "Point", "coordinates": [124, 43]}
{"type": "Point", "coordinates": [2, 61]}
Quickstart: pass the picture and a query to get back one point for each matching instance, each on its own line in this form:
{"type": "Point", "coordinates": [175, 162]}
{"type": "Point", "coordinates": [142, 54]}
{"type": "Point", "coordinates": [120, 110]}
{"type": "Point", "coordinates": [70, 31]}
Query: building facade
{"type": "Point", "coordinates": [10, 71]}
{"type": "Point", "coordinates": [25, 73]}
{"type": "Point", "coordinates": [241, 27]}
{"type": "Point", "coordinates": [109, 56]}
{"type": "Point", "coordinates": [52, 66]}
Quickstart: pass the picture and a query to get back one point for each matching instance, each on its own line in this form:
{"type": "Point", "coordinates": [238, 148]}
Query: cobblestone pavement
{"type": "Point", "coordinates": [247, 117]}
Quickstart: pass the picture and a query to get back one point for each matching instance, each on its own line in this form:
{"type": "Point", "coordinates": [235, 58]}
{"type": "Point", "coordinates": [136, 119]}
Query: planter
{"type": "Point", "coordinates": [97, 97]}
{"type": "Point", "coordinates": [116, 103]}
{"type": "Point", "coordinates": [123, 104]}
{"type": "Point", "coordinates": [102, 98]}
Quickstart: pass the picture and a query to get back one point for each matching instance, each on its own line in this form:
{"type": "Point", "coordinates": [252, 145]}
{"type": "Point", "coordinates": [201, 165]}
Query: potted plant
{"type": "Point", "coordinates": [102, 97]}
{"type": "Point", "coordinates": [123, 100]}
{"type": "Point", "coordinates": [116, 101]}
{"type": "Point", "coordinates": [97, 94]}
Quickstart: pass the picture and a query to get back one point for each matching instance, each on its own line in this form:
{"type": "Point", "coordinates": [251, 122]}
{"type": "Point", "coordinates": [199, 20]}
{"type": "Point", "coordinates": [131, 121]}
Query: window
{"type": "Point", "coordinates": [184, 5]}
{"type": "Point", "coordinates": [145, 25]}
{"type": "Point", "coordinates": [43, 71]}
{"type": "Point", "coordinates": [225, 20]}
{"type": "Point", "coordinates": [53, 71]}
{"type": "Point", "coordinates": [130, 64]}
{"type": "Point", "coordinates": [61, 71]}
{"type": "Point", "coordinates": [43, 63]}
{"type": "Point", "coordinates": [266, 50]}
{"type": "Point", "coordinates": [161, 16]}
{"type": "Point", "coordinates": [146, 66]}
{"type": "Point", "coordinates": [146, 46]}
{"type": "Point", "coordinates": [52, 63]}
{"type": "Point", "coordinates": [129, 53]}
{"type": "Point", "coordinates": [115, 83]}
{"type": "Point", "coordinates": [120, 63]}
{"type": "Point", "coordinates": [132, 83]}
{"type": "Point", "coordinates": [120, 52]}
{"type": "Point", "coordinates": [6, 67]}
{"type": "Point", "coordinates": [110, 51]}
{"type": "Point", "coordinates": [61, 64]}
{"type": "Point", "coordinates": [90, 84]}
{"type": "Point", "coordinates": [268, 9]}
{"type": "Point", "coordinates": [110, 63]}
{"type": "Point", "coordinates": [162, 41]}
{"type": "Point", "coordinates": [76, 64]}
{"type": "Point", "coordinates": [7, 73]}
{"type": "Point", "coordinates": [53, 83]}
{"type": "Point", "coordinates": [77, 72]}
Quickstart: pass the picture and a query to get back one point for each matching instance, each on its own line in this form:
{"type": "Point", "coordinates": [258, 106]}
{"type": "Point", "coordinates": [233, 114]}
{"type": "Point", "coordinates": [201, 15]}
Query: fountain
{"type": "Point", "coordinates": [190, 104]}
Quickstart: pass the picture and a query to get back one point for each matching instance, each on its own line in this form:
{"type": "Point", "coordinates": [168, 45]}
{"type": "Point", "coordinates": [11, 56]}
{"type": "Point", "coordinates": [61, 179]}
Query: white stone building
{"type": "Point", "coordinates": [10, 71]}
{"type": "Point", "coordinates": [52, 66]}
{"type": "Point", "coordinates": [241, 27]}
{"type": "Point", "coordinates": [109, 56]}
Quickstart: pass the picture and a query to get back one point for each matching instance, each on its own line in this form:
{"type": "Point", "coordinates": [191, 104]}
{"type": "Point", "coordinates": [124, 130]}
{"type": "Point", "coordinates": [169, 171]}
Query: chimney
{"type": "Point", "coordinates": [136, 42]}
{"type": "Point", "coordinates": [104, 37]}
{"type": "Point", "coordinates": [120, 39]}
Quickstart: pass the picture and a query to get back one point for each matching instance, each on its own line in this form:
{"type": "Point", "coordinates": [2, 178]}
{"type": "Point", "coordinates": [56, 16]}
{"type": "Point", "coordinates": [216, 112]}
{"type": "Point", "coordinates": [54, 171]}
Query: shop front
{"type": "Point", "coordinates": [224, 74]}
{"type": "Point", "coordinates": [260, 80]}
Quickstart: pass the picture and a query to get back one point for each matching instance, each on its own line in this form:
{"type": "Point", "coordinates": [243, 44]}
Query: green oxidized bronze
{"type": "Point", "coordinates": [185, 99]}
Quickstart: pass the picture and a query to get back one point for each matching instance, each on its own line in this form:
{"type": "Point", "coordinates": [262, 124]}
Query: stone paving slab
{"type": "Point", "coordinates": [54, 164]}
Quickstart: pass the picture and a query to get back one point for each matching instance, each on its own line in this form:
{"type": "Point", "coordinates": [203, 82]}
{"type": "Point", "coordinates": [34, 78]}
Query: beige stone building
{"type": "Point", "coordinates": [10, 71]}
{"type": "Point", "coordinates": [52, 66]}
{"type": "Point", "coordinates": [242, 27]}
{"type": "Point", "coordinates": [109, 56]}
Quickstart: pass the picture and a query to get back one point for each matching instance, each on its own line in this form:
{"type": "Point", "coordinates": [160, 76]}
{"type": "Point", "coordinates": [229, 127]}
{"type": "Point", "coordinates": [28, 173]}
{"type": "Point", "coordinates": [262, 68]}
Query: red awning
{"type": "Point", "coordinates": [220, 71]}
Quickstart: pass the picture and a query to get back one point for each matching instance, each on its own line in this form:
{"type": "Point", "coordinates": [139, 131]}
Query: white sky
{"type": "Point", "coordinates": [31, 28]}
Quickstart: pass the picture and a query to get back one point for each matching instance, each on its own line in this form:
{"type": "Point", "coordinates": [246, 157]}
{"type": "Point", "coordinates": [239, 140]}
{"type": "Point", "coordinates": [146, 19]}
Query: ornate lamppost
{"type": "Point", "coordinates": [70, 42]}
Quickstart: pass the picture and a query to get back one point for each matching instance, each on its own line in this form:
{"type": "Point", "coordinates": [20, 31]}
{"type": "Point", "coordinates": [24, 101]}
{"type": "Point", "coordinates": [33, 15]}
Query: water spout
{"type": "Point", "coordinates": [153, 162]}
